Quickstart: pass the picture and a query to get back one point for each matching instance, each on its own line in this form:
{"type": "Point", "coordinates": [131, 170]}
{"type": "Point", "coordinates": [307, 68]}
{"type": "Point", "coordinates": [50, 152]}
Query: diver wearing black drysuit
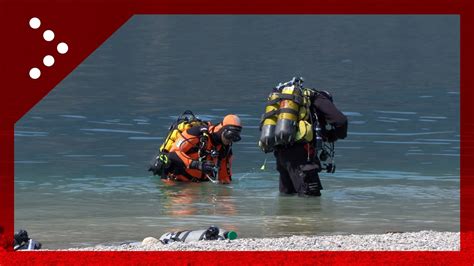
{"type": "Point", "coordinates": [297, 173]}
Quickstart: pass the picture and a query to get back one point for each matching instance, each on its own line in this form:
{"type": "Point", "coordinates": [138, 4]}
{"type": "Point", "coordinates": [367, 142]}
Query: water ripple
{"type": "Point", "coordinates": [20, 133]}
{"type": "Point", "coordinates": [395, 112]}
{"type": "Point", "coordinates": [352, 113]}
{"type": "Point", "coordinates": [397, 134]}
{"type": "Point", "coordinates": [113, 131]}
{"type": "Point", "coordinates": [409, 142]}
{"type": "Point", "coordinates": [145, 138]}
{"type": "Point", "coordinates": [433, 117]}
{"type": "Point", "coordinates": [434, 154]}
{"type": "Point", "coordinates": [394, 118]}
{"type": "Point", "coordinates": [74, 116]}
{"type": "Point", "coordinates": [110, 123]}
{"type": "Point", "coordinates": [30, 162]}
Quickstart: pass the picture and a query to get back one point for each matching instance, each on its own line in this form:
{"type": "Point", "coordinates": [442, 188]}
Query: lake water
{"type": "Point", "coordinates": [81, 154]}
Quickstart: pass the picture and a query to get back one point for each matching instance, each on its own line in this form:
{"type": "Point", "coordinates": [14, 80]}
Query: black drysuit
{"type": "Point", "coordinates": [297, 164]}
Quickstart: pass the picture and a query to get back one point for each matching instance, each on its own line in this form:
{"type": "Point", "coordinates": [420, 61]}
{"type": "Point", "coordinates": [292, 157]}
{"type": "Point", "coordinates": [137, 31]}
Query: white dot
{"type": "Point", "coordinates": [48, 35]}
{"type": "Point", "coordinates": [35, 23]}
{"type": "Point", "coordinates": [62, 48]}
{"type": "Point", "coordinates": [48, 60]}
{"type": "Point", "coordinates": [35, 73]}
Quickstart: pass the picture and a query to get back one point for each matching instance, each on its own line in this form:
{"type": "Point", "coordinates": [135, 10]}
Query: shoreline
{"type": "Point", "coordinates": [404, 241]}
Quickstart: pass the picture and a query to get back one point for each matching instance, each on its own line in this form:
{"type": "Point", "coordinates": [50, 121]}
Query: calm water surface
{"type": "Point", "coordinates": [81, 154]}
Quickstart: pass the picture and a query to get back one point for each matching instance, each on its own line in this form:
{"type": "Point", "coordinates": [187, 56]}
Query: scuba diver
{"type": "Point", "coordinates": [300, 126]}
{"type": "Point", "coordinates": [197, 151]}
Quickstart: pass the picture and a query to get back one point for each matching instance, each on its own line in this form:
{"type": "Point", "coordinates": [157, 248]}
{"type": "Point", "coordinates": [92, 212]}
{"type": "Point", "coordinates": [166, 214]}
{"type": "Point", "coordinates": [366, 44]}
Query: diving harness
{"type": "Point", "coordinates": [289, 118]}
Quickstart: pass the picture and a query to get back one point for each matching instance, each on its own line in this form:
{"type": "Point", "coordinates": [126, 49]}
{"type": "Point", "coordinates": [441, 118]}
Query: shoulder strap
{"type": "Point", "coordinates": [203, 139]}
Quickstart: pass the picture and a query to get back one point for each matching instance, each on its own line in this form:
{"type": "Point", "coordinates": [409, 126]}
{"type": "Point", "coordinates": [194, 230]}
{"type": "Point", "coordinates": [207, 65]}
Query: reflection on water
{"type": "Point", "coordinates": [81, 154]}
{"type": "Point", "coordinates": [196, 199]}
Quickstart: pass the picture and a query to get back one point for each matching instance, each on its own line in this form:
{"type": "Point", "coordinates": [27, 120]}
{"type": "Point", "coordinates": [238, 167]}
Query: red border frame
{"type": "Point", "coordinates": [86, 24]}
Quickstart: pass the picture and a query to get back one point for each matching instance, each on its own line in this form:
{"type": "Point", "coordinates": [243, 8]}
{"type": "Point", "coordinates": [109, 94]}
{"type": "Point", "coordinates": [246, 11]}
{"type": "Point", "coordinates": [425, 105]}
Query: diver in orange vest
{"type": "Point", "coordinates": [204, 153]}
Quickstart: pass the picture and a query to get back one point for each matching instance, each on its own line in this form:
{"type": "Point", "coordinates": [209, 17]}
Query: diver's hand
{"type": "Point", "coordinates": [205, 166]}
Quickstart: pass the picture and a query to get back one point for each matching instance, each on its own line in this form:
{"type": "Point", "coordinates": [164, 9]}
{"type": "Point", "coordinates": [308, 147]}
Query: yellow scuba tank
{"type": "Point", "coordinates": [269, 121]}
{"type": "Point", "coordinates": [286, 126]}
{"type": "Point", "coordinates": [166, 146]}
{"type": "Point", "coordinates": [160, 163]}
{"type": "Point", "coordinates": [305, 129]}
{"type": "Point", "coordinates": [176, 132]}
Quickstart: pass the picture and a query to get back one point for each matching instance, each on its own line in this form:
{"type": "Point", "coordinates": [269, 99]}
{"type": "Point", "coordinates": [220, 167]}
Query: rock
{"type": "Point", "coordinates": [150, 241]}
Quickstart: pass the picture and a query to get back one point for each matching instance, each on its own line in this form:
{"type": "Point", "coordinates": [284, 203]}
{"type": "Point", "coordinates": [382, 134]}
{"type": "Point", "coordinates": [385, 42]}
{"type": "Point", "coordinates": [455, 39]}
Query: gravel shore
{"type": "Point", "coordinates": [416, 241]}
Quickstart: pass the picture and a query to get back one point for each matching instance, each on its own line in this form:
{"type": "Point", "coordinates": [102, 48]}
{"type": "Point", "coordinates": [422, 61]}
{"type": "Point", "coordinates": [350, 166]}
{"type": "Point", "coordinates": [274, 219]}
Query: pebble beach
{"type": "Point", "coordinates": [406, 241]}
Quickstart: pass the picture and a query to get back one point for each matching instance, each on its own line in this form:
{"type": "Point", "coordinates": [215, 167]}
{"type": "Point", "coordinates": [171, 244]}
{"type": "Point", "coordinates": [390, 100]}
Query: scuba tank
{"type": "Point", "coordinates": [269, 121]}
{"type": "Point", "coordinates": [286, 113]}
{"type": "Point", "coordinates": [160, 163]}
{"type": "Point", "coordinates": [286, 126]}
{"type": "Point", "coordinates": [304, 131]}
{"type": "Point", "coordinates": [172, 137]}
{"type": "Point", "coordinates": [211, 233]}
{"type": "Point", "coordinates": [184, 122]}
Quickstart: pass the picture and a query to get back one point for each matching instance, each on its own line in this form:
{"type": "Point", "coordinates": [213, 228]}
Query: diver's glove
{"type": "Point", "coordinates": [206, 166]}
